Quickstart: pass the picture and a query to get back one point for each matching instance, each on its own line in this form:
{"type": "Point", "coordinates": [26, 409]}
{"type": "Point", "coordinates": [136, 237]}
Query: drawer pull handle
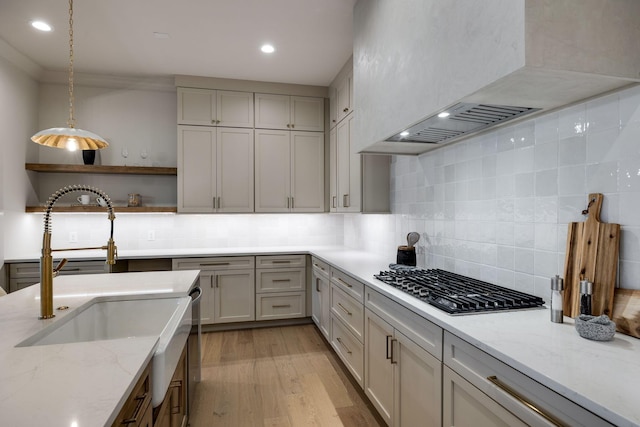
{"type": "Point", "coordinates": [342, 344]}
{"type": "Point", "coordinates": [393, 361]}
{"type": "Point", "coordinates": [134, 417]}
{"type": "Point", "coordinates": [511, 392]}
{"type": "Point", "coordinates": [344, 283]}
{"type": "Point", "coordinates": [345, 310]}
{"type": "Point", "coordinates": [280, 280]}
{"type": "Point", "coordinates": [317, 285]}
{"type": "Point", "coordinates": [281, 306]}
{"type": "Point", "coordinates": [281, 261]}
{"type": "Point", "coordinates": [214, 264]}
{"type": "Point", "coordinates": [319, 266]}
{"type": "Point", "coordinates": [387, 355]}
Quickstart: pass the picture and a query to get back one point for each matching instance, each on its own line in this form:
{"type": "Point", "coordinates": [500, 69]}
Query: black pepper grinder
{"type": "Point", "coordinates": [586, 292]}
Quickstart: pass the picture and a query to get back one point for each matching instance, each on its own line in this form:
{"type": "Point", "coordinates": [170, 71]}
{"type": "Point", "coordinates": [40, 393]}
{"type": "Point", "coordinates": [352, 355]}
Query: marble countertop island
{"type": "Point", "coordinates": [79, 384]}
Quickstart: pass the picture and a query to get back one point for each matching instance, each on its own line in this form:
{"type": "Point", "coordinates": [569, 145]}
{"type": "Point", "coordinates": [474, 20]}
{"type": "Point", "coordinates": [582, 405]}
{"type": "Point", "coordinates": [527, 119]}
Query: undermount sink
{"type": "Point", "coordinates": [107, 318]}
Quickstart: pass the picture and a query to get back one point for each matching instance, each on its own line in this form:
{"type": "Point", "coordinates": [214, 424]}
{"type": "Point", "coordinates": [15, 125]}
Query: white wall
{"type": "Point", "coordinates": [18, 118]}
{"type": "Point", "coordinates": [496, 207]}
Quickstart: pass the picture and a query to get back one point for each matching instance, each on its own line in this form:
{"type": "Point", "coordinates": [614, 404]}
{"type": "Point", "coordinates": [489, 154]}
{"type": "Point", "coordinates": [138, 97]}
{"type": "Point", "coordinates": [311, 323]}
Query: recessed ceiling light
{"type": "Point", "coordinates": [267, 48]}
{"type": "Point", "coordinates": [405, 133]}
{"type": "Point", "coordinates": [443, 115]}
{"type": "Point", "coordinates": [160, 35]}
{"type": "Point", "coordinates": [41, 25]}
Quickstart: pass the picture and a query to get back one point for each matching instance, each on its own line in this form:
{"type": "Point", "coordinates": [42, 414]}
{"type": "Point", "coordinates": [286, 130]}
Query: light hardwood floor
{"type": "Point", "coordinates": [276, 377]}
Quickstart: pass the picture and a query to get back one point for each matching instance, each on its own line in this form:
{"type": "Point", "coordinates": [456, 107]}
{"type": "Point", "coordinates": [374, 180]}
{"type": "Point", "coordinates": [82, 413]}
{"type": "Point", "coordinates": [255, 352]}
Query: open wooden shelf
{"type": "Point", "coordinates": [122, 170]}
{"type": "Point", "coordinates": [116, 209]}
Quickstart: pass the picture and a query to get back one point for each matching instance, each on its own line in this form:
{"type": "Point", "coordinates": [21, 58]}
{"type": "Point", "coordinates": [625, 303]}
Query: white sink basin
{"type": "Point", "coordinates": [115, 317]}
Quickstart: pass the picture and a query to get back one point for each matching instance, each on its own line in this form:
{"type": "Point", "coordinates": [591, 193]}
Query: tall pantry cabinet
{"type": "Point", "coordinates": [289, 161]}
{"type": "Point", "coordinates": [215, 151]}
{"type": "Point", "coordinates": [357, 182]}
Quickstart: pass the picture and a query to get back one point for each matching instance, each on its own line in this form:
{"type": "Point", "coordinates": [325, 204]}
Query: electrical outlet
{"type": "Point", "coordinates": [73, 237]}
{"type": "Point", "coordinates": [151, 235]}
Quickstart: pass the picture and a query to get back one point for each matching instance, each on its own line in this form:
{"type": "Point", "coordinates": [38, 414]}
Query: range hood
{"type": "Point", "coordinates": [486, 63]}
{"type": "Point", "coordinates": [459, 121]}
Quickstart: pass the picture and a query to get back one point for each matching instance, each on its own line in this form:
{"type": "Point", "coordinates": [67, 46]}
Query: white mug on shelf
{"type": "Point", "coordinates": [84, 199]}
{"type": "Point", "coordinates": [101, 202]}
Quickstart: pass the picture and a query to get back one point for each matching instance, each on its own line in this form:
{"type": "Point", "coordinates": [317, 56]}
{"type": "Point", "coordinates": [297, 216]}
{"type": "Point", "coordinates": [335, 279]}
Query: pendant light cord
{"type": "Point", "coordinates": [72, 121]}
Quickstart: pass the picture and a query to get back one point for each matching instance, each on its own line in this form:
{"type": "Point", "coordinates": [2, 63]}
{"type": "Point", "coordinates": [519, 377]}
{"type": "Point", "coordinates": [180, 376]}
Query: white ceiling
{"type": "Point", "coordinates": [210, 38]}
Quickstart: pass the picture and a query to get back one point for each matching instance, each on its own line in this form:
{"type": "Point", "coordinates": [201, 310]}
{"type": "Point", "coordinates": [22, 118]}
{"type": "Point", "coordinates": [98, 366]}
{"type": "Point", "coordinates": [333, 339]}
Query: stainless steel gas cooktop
{"type": "Point", "coordinates": [457, 294]}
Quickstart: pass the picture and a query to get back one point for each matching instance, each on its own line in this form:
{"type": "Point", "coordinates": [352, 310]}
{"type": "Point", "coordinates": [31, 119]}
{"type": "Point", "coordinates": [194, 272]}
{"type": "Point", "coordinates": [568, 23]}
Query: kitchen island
{"type": "Point", "coordinates": [598, 376]}
{"type": "Point", "coordinates": [79, 384]}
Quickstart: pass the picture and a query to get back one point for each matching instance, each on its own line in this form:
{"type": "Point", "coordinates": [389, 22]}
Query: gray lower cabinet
{"type": "Point", "coordinates": [23, 274]}
{"type": "Point", "coordinates": [280, 287]}
{"type": "Point", "coordinates": [480, 390]}
{"type": "Point", "coordinates": [228, 287]}
{"type": "Point", "coordinates": [320, 302]}
{"type": "Point", "coordinates": [402, 376]}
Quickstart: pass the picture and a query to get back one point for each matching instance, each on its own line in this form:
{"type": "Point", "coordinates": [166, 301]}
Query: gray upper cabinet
{"type": "Point", "coordinates": [206, 107]}
{"type": "Point", "coordinates": [527, 53]}
{"type": "Point", "coordinates": [289, 112]}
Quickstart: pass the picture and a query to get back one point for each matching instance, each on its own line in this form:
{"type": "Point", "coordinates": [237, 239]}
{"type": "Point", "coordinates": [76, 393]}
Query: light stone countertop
{"type": "Point", "coordinates": [79, 384]}
{"type": "Point", "coordinates": [600, 376]}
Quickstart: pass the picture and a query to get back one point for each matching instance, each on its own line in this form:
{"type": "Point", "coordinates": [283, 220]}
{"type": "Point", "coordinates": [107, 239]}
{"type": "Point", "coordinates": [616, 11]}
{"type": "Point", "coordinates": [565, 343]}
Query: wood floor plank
{"type": "Point", "coordinates": [276, 377]}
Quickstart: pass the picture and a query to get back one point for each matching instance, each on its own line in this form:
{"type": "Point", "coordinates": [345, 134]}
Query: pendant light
{"type": "Point", "coordinates": [70, 138]}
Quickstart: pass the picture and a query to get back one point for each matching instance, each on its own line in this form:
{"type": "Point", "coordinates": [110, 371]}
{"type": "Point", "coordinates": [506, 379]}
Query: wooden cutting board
{"type": "Point", "coordinates": [626, 311]}
{"type": "Point", "coordinates": [592, 254]}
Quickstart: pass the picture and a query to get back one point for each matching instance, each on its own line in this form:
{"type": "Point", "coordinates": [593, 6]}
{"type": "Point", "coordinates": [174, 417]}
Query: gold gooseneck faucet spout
{"type": "Point", "coordinates": [46, 260]}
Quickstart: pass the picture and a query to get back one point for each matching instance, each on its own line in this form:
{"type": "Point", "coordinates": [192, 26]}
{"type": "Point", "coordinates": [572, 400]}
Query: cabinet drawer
{"type": "Point", "coordinates": [349, 349]}
{"type": "Point", "coordinates": [17, 284]}
{"type": "Point", "coordinates": [217, 263]}
{"type": "Point", "coordinates": [348, 284]}
{"type": "Point", "coordinates": [320, 267]}
{"type": "Point", "coordinates": [280, 261]}
{"type": "Point", "coordinates": [136, 406]}
{"type": "Point", "coordinates": [32, 269]}
{"type": "Point", "coordinates": [477, 367]}
{"type": "Point", "coordinates": [280, 279]}
{"type": "Point", "coordinates": [283, 305]}
{"type": "Point", "coordinates": [423, 332]}
{"type": "Point", "coordinates": [350, 311]}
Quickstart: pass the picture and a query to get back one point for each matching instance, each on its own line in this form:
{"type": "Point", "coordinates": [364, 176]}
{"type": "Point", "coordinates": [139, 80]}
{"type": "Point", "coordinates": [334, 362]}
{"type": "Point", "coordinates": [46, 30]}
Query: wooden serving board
{"type": "Point", "coordinates": [626, 311]}
{"type": "Point", "coordinates": [592, 254]}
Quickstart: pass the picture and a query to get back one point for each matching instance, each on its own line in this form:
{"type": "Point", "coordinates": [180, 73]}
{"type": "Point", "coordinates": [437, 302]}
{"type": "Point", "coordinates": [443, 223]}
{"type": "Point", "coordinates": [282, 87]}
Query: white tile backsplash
{"type": "Point", "coordinates": [509, 194]}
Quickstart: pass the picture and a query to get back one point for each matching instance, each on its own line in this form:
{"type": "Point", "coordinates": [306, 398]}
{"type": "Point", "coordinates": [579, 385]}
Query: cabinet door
{"type": "Point", "coordinates": [234, 109]}
{"type": "Point", "coordinates": [272, 111]}
{"type": "Point", "coordinates": [234, 183]}
{"type": "Point", "coordinates": [464, 405]}
{"type": "Point", "coordinates": [272, 171]}
{"type": "Point", "coordinates": [378, 370]}
{"type": "Point", "coordinates": [418, 384]}
{"type": "Point", "coordinates": [307, 172]}
{"type": "Point", "coordinates": [307, 113]}
{"type": "Point", "coordinates": [321, 305]}
{"type": "Point", "coordinates": [348, 167]}
{"type": "Point", "coordinates": [207, 305]}
{"type": "Point", "coordinates": [234, 296]}
{"type": "Point", "coordinates": [333, 171]}
{"type": "Point", "coordinates": [345, 97]}
{"type": "Point", "coordinates": [196, 168]}
{"type": "Point", "coordinates": [196, 107]}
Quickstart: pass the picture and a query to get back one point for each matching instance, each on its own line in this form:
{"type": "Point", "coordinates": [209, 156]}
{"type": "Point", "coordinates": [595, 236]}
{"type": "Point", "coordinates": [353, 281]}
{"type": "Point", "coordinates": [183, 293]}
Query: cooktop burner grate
{"type": "Point", "coordinates": [457, 294]}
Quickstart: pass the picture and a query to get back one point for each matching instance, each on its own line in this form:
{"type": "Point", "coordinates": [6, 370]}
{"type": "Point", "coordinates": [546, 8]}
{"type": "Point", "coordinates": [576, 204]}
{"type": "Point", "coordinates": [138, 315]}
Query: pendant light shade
{"type": "Point", "coordinates": [70, 138]}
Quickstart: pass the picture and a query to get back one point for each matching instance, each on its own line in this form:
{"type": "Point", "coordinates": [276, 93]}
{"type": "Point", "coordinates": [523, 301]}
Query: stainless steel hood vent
{"type": "Point", "coordinates": [462, 119]}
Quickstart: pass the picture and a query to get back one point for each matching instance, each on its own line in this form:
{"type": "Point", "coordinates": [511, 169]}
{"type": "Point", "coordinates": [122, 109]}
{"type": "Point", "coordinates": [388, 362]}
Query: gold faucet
{"type": "Point", "coordinates": [47, 272]}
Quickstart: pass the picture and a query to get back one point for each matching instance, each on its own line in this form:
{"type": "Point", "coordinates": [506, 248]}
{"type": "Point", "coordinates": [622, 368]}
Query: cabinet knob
{"type": "Point", "coordinates": [293, 125]}
{"type": "Point", "coordinates": [288, 126]}
{"type": "Point", "coordinates": [345, 110]}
